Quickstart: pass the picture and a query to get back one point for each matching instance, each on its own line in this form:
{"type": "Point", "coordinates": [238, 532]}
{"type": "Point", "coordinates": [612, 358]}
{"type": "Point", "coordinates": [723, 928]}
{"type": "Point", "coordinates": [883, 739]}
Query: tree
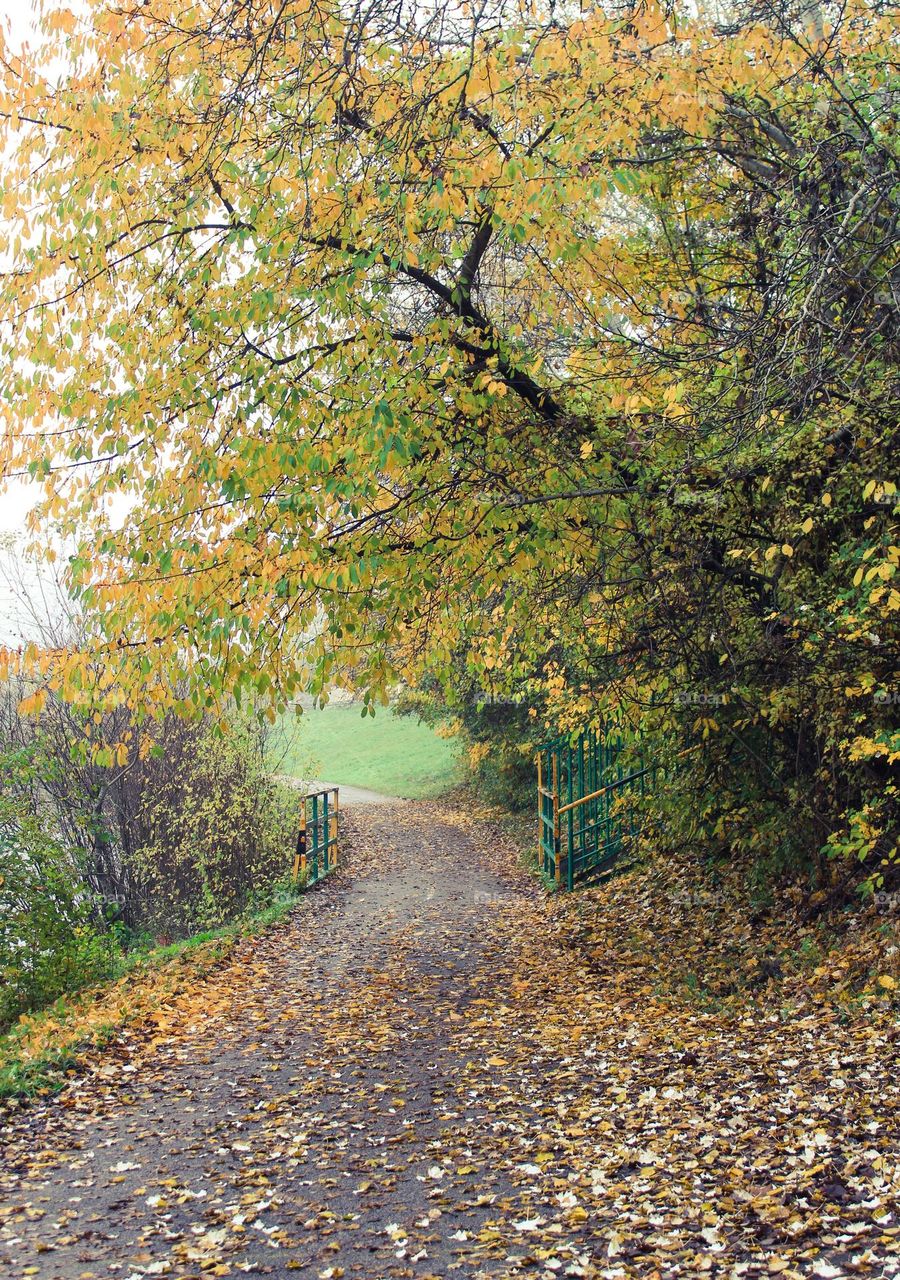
{"type": "Point", "coordinates": [562, 341]}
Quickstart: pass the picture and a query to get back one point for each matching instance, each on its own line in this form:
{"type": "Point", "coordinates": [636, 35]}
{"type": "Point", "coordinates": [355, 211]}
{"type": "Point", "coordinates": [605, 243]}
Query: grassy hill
{"type": "Point", "coordinates": [393, 754]}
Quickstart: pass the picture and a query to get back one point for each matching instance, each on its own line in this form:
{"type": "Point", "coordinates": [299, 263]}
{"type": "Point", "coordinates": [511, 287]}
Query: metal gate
{"type": "Point", "coordinates": [589, 805]}
{"type": "Point", "coordinates": [317, 839]}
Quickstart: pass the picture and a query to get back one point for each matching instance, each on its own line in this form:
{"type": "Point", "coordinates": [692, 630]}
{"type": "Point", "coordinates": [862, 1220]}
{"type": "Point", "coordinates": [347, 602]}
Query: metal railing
{"type": "Point", "coordinates": [588, 805]}
{"type": "Point", "coordinates": [317, 838]}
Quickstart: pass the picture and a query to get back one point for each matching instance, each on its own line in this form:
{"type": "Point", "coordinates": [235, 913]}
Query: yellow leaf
{"type": "Point", "coordinates": [34, 703]}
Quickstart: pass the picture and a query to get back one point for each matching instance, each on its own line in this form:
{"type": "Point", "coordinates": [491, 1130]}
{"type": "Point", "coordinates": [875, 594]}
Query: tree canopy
{"type": "Point", "coordinates": [557, 345]}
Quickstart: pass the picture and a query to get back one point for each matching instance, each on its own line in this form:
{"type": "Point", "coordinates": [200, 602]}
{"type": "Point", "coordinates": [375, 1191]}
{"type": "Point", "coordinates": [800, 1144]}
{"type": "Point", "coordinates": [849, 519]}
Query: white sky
{"type": "Point", "coordinates": [17, 18]}
{"type": "Point", "coordinates": [16, 497]}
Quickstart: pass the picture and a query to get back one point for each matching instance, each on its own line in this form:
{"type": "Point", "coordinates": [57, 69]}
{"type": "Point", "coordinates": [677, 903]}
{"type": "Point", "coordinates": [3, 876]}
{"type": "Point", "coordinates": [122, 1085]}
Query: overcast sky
{"type": "Point", "coordinates": [16, 498]}
{"type": "Point", "coordinates": [17, 17]}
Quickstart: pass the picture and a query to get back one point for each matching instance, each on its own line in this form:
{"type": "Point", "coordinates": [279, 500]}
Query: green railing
{"type": "Point", "coordinates": [589, 805]}
{"type": "Point", "coordinates": [317, 838]}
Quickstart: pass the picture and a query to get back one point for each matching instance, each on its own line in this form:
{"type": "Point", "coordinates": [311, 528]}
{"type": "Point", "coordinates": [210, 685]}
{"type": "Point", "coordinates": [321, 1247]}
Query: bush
{"type": "Point", "coordinates": [213, 832]}
{"type": "Point", "coordinates": [49, 940]}
{"type": "Point", "coordinates": [180, 831]}
{"type": "Point", "coordinates": [184, 832]}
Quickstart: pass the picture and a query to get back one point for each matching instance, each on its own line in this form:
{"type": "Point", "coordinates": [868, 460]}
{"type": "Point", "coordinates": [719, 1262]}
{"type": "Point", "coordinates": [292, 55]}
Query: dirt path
{"type": "Point", "coordinates": [418, 1077]}
{"type": "Point", "coordinates": [290, 1126]}
{"type": "Point", "coordinates": [350, 796]}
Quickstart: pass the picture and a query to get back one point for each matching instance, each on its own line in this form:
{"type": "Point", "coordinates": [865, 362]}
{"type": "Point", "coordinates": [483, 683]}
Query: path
{"type": "Point", "coordinates": [418, 1077]}
{"type": "Point", "coordinates": [350, 796]}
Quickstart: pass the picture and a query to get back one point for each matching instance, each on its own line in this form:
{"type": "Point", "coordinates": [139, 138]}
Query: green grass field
{"type": "Point", "coordinates": [393, 754]}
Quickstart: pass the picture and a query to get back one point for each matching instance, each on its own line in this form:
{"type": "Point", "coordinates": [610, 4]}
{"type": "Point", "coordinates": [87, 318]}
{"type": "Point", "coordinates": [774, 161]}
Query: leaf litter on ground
{"type": "Point", "coordinates": [441, 1071]}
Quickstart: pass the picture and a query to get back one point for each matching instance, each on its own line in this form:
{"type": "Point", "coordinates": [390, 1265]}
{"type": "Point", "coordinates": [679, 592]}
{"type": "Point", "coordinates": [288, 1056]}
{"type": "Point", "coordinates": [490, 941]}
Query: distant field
{"type": "Point", "coordinates": [393, 754]}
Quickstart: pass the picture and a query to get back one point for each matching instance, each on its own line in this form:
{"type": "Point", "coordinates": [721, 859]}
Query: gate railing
{"type": "Point", "coordinates": [317, 838]}
{"type": "Point", "coordinates": [588, 800]}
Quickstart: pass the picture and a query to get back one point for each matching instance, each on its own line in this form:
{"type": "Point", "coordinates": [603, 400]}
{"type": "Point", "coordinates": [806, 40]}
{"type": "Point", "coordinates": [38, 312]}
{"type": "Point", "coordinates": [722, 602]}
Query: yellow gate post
{"type": "Point", "coordinates": [540, 771]}
{"type": "Point", "coordinates": [333, 825]}
{"type": "Point", "coordinates": [300, 855]}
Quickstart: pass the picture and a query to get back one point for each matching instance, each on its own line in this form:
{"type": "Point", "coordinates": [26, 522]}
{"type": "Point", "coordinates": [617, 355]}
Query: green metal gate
{"type": "Point", "coordinates": [317, 838]}
{"type": "Point", "coordinates": [589, 805]}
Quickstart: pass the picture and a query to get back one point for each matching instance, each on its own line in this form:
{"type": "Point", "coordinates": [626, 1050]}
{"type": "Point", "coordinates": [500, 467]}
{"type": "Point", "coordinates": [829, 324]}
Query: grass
{"type": "Point", "coordinates": [393, 754]}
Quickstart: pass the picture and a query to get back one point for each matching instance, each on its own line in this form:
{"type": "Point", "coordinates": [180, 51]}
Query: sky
{"type": "Point", "coordinates": [17, 17]}
{"type": "Point", "coordinates": [16, 497]}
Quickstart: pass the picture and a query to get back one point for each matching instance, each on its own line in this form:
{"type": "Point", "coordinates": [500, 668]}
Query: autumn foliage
{"type": "Point", "coordinates": [98, 860]}
{"type": "Point", "coordinates": [560, 346]}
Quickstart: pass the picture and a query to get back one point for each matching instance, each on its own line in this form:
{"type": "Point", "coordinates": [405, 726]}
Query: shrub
{"type": "Point", "coordinates": [49, 940]}
{"type": "Point", "coordinates": [181, 831]}
{"type": "Point", "coordinates": [213, 831]}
